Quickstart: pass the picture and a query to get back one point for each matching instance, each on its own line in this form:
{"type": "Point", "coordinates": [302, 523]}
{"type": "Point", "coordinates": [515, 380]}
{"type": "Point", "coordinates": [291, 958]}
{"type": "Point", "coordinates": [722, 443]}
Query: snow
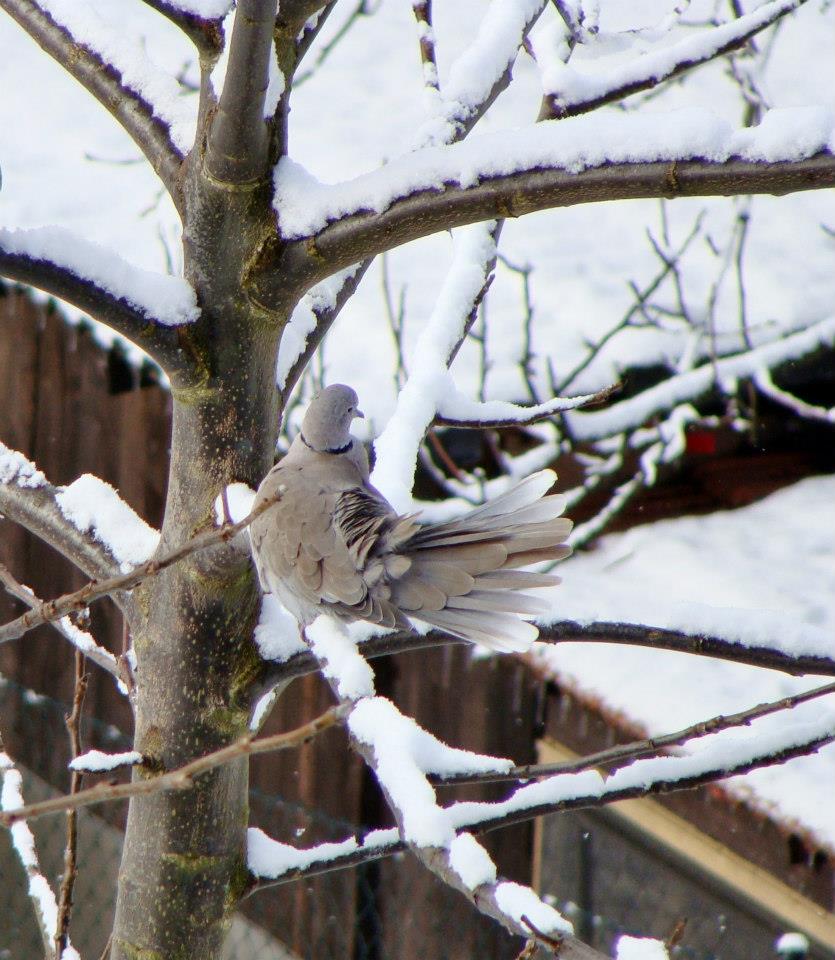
{"type": "Point", "coordinates": [305, 206]}
{"type": "Point", "coordinates": [99, 26]}
{"type": "Point", "coordinates": [277, 634]}
{"type": "Point", "coordinates": [262, 707]}
{"type": "Point", "coordinates": [474, 73]}
{"type": "Point", "coordinates": [271, 859]}
{"type": "Point", "coordinates": [94, 761]}
{"type": "Point", "coordinates": [724, 574]}
{"type": "Point", "coordinates": [23, 842]}
{"type": "Point", "coordinates": [304, 319]}
{"type": "Point", "coordinates": [403, 754]}
{"type": "Point", "coordinates": [792, 942]}
{"type": "Point", "coordinates": [471, 861]}
{"type": "Point", "coordinates": [429, 380]}
{"type": "Point", "coordinates": [640, 948]}
{"type": "Point", "coordinates": [158, 297]}
{"type": "Point", "coordinates": [15, 468]}
{"type": "Point", "coordinates": [240, 499]}
{"type": "Point", "coordinates": [571, 86]}
{"type": "Point", "coordinates": [595, 424]}
{"type": "Point", "coordinates": [93, 506]}
{"type": "Point", "coordinates": [337, 654]}
{"type": "Point", "coordinates": [208, 9]}
{"type": "Point", "coordinates": [521, 902]}
{"type": "Point", "coordinates": [344, 125]}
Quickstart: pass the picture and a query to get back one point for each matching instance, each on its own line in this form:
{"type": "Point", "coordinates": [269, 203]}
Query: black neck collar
{"type": "Point", "coordinates": [336, 450]}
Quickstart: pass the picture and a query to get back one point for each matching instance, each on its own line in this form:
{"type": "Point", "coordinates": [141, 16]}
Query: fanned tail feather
{"type": "Point", "coordinates": [462, 578]}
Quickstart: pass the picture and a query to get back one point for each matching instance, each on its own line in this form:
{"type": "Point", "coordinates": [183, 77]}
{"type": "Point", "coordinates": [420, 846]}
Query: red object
{"type": "Point", "coordinates": [701, 441]}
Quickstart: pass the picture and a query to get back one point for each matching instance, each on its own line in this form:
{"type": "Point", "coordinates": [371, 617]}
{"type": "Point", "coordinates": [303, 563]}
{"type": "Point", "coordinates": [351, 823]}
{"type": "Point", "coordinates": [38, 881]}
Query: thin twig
{"type": "Point", "coordinates": [101, 657]}
{"type": "Point", "coordinates": [426, 37]}
{"type": "Point", "coordinates": [182, 778]}
{"type": "Point", "coordinates": [94, 589]}
{"type": "Point", "coordinates": [615, 757]}
{"type": "Point", "coordinates": [65, 894]}
{"type": "Point", "coordinates": [530, 415]}
{"type": "Point", "coordinates": [482, 817]}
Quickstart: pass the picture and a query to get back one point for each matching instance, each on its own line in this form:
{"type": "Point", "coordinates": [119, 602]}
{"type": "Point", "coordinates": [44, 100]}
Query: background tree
{"type": "Point", "coordinates": [271, 257]}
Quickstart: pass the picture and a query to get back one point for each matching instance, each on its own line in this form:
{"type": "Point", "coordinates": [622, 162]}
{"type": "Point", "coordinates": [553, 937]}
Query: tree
{"type": "Point", "coordinates": [270, 258]}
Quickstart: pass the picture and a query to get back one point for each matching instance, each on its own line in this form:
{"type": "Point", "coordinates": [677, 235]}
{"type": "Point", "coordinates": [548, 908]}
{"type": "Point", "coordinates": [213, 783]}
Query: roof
{"type": "Point", "coordinates": [763, 573]}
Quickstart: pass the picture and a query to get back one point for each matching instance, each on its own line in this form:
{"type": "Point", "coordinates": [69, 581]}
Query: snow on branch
{"type": "Point", "coordinates": [401, 754]}
{"type": "Point", "coordinates": [482, 71]}
{"type": "Point", "coordinates": [429, 380]}
{"type": "Point", "coordinates": [114, 585]}
{"type": "Point", "coordinates": [569, 92]}
{"type": "Point", "coordinates": [499, 160]}
{"type": "Point", "coordinates": [137, 303]}
{"type": "Point", "coordinates": [40, 892]}
{"type": "Point", "coordinates": [270, 860]}
{"type": "Point", "coordinates": [117, 71]}
{"type": "Point", "coordinates": [809, 652]}
{"type": "Point", "coordinates": [766, 385]}
{"type": "Point", "coordinates": [310, 321]}
{"type": "Point", "coordinates": [94, 507]}
{"type": "Point", "coordinates": [722, 758]}
{"type": "Point", "coordinates": [576, 786]}
{"type": "Point", "coordinates": [27, 498]}
{"type": "Point", "coordinates": [157, 297]}
{"type": "Point", "coordinates": [79, 638]}
{"type": "Point", "coordinates": [200, 21]}
{"type": "Point", "coordinates": [457, 410]}
{"type": "Point", "coordinates": [692, 384]}
{"type": "Point", "coordinates": [618, 756]}
{"type": "Point", "coordinates": [180, 779]}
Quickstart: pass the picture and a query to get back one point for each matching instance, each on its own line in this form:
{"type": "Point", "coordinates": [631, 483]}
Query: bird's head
{"type": "Point", "coordinates": [326, 427]}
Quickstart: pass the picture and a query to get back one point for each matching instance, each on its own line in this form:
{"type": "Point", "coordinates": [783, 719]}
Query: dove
{"type": "Point", "coordinates": [333, 544]}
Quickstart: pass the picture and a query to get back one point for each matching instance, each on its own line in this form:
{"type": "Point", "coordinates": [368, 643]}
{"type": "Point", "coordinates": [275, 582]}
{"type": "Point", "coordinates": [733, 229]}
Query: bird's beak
{"type": "Point", "coordinates": [360, 414]}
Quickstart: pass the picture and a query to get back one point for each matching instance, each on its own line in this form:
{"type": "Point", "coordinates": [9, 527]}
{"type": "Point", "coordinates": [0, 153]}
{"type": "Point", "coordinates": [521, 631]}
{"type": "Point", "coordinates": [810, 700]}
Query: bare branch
{"type": "Point", "coordinates": [617, 756]}
{"type": "Point", "coordinates": [82, 598]}
{"type": "Point", "coordinates": [531, 188]}
{"type": "Point", "coordinates": [82, 642]}
{"type": "Point", "coordinates": [27, 498]}
{"type": "Point", "coordinates": [766, 385]}
{"type": "Point", "coordinates": [159, 341]}
{"type": "Point", "coordinates": [325, 312]}
{"type": "Point", "coordinates": [104, 82]}
{"type": "Point", "coordinates": [426, 38]}
{"type": "Point", "coordinates": [650, 70]}
{"type": "Point", "coordinates": [183, 777]}
{"type": "Point", "coordinates": [569, 631]}
{"type": "Point", "coordinates": [236, 149]}
{"type": "Point", "coordinates": [71, 849]}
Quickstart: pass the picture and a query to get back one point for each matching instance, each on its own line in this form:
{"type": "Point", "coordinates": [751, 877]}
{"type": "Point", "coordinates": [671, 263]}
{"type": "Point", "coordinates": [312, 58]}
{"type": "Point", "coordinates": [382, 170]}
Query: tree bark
{"type": "Point", "coordinates": [183, 866]}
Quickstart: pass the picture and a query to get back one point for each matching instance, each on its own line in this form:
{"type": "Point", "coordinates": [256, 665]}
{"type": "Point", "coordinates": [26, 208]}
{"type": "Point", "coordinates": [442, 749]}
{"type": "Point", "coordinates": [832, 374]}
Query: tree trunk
{"type": "Point", "coordinates": [183, 865]}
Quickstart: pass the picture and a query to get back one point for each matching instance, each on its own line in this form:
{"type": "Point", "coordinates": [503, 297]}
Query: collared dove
{"type": "Point", "coordinates": [333, 544]}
